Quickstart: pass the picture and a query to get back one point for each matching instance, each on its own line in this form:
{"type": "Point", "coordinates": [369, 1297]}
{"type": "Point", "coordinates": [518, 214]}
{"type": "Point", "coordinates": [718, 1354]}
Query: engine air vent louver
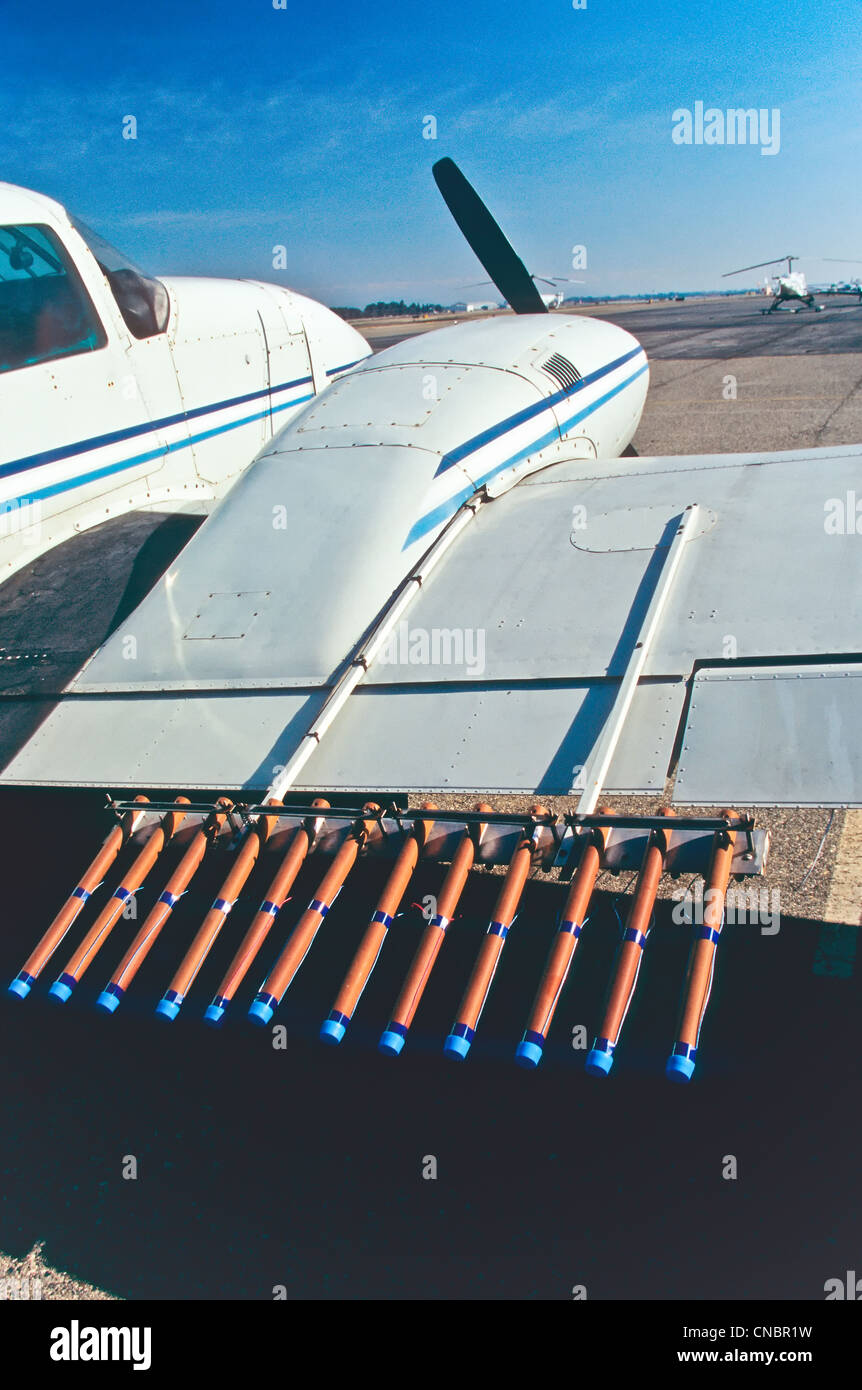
{"type": "Point", "coordinates": [562, 371]}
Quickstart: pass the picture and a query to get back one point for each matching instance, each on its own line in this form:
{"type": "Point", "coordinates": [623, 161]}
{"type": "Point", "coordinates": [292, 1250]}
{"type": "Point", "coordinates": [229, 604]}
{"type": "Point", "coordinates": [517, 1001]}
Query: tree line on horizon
{"type": "Point", "coordinates": [388, 309]}
{"type": "Point", "coordinates": [392, 308]}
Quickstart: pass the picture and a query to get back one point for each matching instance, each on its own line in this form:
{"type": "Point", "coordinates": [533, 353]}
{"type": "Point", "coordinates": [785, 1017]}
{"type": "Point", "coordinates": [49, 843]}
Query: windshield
{"type": "Point", "coordinates": [45, 312]}
{"type": "Point", "coordinates": [142, 300]}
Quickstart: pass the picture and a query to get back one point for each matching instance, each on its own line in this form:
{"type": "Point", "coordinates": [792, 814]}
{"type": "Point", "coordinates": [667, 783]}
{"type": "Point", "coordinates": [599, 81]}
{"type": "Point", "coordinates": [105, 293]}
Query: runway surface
{"type": "Point", "coordinates": [698, 328]}
{"type": "Point", "coordinates": [302, 1167]}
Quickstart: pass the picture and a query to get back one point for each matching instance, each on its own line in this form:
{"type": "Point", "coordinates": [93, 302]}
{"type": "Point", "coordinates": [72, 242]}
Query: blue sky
{"type": "Point", "coordinates": [259, 127]}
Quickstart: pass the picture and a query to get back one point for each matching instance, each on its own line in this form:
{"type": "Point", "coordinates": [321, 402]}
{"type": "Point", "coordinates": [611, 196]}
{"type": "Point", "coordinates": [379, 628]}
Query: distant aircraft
{"type": "Point", "coordinates": [793, 288]}
{"type": "Point", "coordinates": [842, 287]}
{"type": "Point", "coordinates": [122, 392]}
{"type": "Point", "coordinates": [550, 301]}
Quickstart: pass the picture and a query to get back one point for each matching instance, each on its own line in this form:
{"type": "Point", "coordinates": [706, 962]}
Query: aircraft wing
{"type": "Point", "coordinates": [507, 669]}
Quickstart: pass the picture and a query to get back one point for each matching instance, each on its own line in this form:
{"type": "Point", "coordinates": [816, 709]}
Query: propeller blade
{"type": "Point", "coordinates": [486, 240]}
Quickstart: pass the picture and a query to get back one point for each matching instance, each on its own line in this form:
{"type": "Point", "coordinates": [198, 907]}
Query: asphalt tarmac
{"type": "Point", "coordinates": [301, 1167]}
{"type": "Point", "coordinates": [718, 327]}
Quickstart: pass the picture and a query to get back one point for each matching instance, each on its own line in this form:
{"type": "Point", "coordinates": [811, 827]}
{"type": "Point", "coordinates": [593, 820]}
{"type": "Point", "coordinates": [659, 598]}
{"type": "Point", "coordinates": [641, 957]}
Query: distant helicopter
{"type": "Point", "coordinates": [793, 286]}
{"type": "Point", "coordinates": [550, 301]}
{"type": "Point", "coordinates": [787, 287]}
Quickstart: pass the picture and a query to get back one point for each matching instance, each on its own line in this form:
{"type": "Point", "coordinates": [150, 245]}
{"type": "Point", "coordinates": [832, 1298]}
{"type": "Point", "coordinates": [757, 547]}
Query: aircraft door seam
{"type": "Point", "coordinates": [268, 371]}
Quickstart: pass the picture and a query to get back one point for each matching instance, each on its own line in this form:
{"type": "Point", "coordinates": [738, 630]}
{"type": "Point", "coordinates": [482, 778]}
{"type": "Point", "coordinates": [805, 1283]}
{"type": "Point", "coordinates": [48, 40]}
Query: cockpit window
{"type": "Point", "coordinates": [45, 312]}
{"type": "Point", "coordinates": [142, 301]}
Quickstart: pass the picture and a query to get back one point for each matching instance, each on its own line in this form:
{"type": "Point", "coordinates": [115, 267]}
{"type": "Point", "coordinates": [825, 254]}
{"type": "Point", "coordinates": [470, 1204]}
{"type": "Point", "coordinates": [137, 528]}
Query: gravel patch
{"type": "Point", "coordinates": [31, 1279]}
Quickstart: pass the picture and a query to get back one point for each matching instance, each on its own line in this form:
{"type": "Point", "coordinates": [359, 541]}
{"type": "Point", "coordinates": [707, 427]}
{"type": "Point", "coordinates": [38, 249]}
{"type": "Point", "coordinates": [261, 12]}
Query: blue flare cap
{"type": "Point", "coordinates": [260, 1012]}
{"type": "Point", "coordinates": [456, 1047]}
{"type": "Point", "coordinates": [599, 1063]}
{"type": "Point", "coordinates": [679, 1068]}
{"type": "Point", "coordinates": [332, 1031]}
{"type": "Point", "coordinates": [528, 1054]}
{"type": "Point", "coordinates": [391, 1043]}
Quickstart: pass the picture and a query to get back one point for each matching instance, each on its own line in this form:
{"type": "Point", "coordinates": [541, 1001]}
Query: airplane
{"type": "Point", "coordinates": [842, 287]}
{"type": "Point", "coordinates": [442, 576]}
{"type": "Point", "coordinates": [121, 392]}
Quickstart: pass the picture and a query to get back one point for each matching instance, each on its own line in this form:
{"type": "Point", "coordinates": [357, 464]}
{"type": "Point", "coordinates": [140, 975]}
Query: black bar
{"type": "Point", "coordinates": [155, 1336]}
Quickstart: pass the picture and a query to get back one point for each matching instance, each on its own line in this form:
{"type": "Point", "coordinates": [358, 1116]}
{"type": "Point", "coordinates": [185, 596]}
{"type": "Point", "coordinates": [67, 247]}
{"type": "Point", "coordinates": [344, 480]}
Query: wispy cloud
{"type": "Point", "coordinates": [256, 128]}
{"type": "Point", "coordinates": [223, 218]}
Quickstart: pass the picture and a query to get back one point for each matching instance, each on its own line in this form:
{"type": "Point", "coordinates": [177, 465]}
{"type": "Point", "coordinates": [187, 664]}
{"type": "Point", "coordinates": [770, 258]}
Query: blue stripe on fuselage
{"type": "Point", "coordinates": [333, 371]}
{"type": "Point", "coordinates": [81, 479]}
{"type": "Point", "coordinates": [451, 505]}
{"type": "Point", "coordinates": [84, 446]}
{"type": "Point", "coordinates": [420, 528]}
{"type": "Point", "coordinates": [530, 412]}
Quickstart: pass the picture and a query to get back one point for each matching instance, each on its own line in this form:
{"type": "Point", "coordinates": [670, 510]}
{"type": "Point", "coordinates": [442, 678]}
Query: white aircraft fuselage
{"type": "Point", "coordinates": [122, 393]}
{"type": "Point", "coordinates": [101, 415]}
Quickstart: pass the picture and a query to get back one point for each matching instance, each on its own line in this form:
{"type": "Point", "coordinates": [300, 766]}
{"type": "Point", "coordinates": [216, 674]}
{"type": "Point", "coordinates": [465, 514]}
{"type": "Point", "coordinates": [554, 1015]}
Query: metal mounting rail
{"type": "Point", "coordinates": [194, 808]}
{"type": "Point", "coordinates": [594, 774]}
{"type": "Point", "coordinates": [351, 813]}
{"type": "Point", "coordinates": [660, 822]}
{"type": "Point", "coordinates": [560, 837]}
{"type": "Point", "coordinates": [575, 819]}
